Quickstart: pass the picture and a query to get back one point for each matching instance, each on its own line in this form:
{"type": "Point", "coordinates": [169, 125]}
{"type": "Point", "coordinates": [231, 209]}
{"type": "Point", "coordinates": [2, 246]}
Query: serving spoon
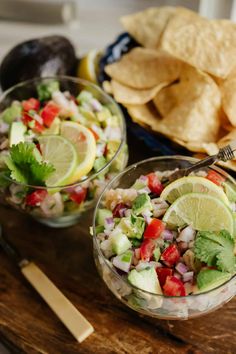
{"type": "Point", "coordinates": [75, 322]}
{"type": "Point", "coordinates": [224, 154]}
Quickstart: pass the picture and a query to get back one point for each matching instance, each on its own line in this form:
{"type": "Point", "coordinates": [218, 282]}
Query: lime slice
{"type": "Point", "coordinates": [88, 66]}
{"type": "Point", "coordinates": [203, 212]}
{"type": "Point", "coordinates": [192, 184]}
{"type": "Point", "coordinates": [85, 144]}
{"type": "Point", "coordinates": [62, 155]}
{"type": "Point", "coordinates": [230, 191]}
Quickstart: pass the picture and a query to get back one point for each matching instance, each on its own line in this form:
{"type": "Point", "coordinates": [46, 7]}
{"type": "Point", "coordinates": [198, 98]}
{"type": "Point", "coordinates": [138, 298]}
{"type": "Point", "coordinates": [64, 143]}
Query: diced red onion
{"type": "Point", "coordinates": [143, 179]}
{"type": "Point", "coordinates": [122, 212]}
{"type": "Point", "coordinates": [186, 235]}
{"type": "Point", "coordinates": [109, 223]}
{"type": "Point", "coordinates": [181, 268]}
{"type": "Point", "coordinates": [147, 216]}
{"type": "Point", "coordinates": [188, 276]}
{"type": "Point", "coordinates": [96, 105]}
{"type": "Point", "coordinates": [154, 264]}
{"type": "Point", "coordinates": [167, 235]}
{"type": "Point", "coordinates": [106, 248]}
{"type": "Point", "coordinates": [38, 118]}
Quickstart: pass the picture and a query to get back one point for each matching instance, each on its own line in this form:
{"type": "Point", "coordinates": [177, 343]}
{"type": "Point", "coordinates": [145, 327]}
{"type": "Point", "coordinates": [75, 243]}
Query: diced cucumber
{"type": "Point", "coordinates": [120, 242]}
{"type": "Point", "coordinates": [102, 215]}
{"type": "Point", "coordinates": [17, 132]}
{"type": "Point", "coordinates": [46, 89]}
{"type": "Point", "coordinates": [99, 163]}
{"type": "Point", "coordinates": [157, 254]}
{"type": "Point", "coordinates": [84, 96]}
{"type": "Point", "coordinates": [133, 226]}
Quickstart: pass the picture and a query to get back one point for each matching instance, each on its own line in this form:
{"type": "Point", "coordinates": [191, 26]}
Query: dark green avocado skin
{"type": "Point", "coordinates": [46, 56]}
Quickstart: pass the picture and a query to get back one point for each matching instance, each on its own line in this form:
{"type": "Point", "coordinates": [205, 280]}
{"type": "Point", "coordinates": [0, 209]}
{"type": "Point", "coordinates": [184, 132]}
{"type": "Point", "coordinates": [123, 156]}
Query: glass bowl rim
{"type": "Point", "coordinates": [105, 260]}
{"type": "Point", "coordinates": [98, 89]}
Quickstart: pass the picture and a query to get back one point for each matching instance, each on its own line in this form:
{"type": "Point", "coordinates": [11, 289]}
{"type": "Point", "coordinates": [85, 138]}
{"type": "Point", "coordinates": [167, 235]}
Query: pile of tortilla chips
{"type": "Point", "coordinates": [181, 81]}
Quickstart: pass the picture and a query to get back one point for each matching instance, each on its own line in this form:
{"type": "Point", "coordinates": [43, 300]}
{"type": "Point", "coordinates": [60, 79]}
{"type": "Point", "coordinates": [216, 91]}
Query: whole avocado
{"type": "Point", "coordinates": [46, 56]}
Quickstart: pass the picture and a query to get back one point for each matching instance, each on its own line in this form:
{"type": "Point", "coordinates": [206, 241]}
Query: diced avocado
{"type": "Point", "coordinates": [46, 89]}
{"type": "Point", "coordinates": [208, 279]}
{"type": "Point", "coordinates": [17, 132]}
{"type": "Point", "coordinates": [99, 163]}
{"type": "Point", "coordinates": [123, 261]}
{"type": "Point", "coordinates": [103, 115]}
{"type": "Point", "coordinates": [146, 280]}
{"type": "Point", "coordinates": [230, 191]}
{"type": "Point", "coordinates": [133, 226]}
{"type": "Point", "coordinates": [120, 242]}
{"type": "Point", "coordinates": [157, 254]}
{"type": "Point", "coordinates": [102, 215]}
{"type": "Point", "coordinates": [84, 96]}
{"type": "Point", "coordinates": [54, 128]}
{"type": "Point", "coordinates": [142, 203]}
{"type": "Point", "coordinates": [11, 113]}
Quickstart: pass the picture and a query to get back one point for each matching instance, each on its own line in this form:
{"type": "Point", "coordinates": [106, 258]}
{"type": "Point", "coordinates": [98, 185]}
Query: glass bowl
{"type": "Point", "coordinates": [159, 306]}
{"type": "Point", "coordinates": [58, 210]}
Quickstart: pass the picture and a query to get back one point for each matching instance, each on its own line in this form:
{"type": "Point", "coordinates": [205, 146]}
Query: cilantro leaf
{"type": "Point", "coordinates": [216, 249]}
{"type": "Point", "coordinates": [26, 165]}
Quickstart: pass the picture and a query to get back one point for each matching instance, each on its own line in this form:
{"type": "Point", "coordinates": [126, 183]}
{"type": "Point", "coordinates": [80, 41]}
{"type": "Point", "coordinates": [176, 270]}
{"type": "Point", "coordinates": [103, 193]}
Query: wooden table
{"type": "Point", "coordinates": [27, 325]}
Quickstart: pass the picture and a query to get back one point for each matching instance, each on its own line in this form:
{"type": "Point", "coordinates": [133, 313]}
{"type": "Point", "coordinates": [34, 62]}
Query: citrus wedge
{"type": "Point", "coordinates": [192, 184]}
{"type": "Point", "coordinates": [85, 145]}
{"type": "Point", "coordinates": [87, 68]}
{"type": "Point", "coordinates": [61, 153]}
{"type": "Point", "coordinates": [203, 212]}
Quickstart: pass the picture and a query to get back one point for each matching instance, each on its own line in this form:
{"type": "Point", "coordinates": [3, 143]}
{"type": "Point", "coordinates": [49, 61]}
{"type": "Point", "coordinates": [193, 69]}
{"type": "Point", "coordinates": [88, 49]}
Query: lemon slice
{"type": "Point", "coordinates": [62, 155]}
{"type": "Point", "coordinates": [88, 66]}
{"type": "Point", "coordinates": [203, 212]}
{"type": "Point", "coordinates": [85, 145]}
{"type": "Point", "coordinates": [193, 184]}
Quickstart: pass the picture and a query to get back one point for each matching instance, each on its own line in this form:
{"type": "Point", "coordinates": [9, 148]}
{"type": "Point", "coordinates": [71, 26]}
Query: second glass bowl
{"type": "Point", "coordinates": [58, 210]}
{"type": "Point", "coordinates": [159, 306]}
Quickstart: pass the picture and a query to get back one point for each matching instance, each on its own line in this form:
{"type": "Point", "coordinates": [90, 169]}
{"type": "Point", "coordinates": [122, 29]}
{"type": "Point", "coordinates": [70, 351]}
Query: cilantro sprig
{"type": "Point", "coordinates": [216, 249]}
{"type": "Point", "coordinates": [26, 165]}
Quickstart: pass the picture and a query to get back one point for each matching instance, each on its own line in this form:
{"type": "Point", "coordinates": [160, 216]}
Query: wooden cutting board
{"type": "Point", "coordinates": [27, 325]}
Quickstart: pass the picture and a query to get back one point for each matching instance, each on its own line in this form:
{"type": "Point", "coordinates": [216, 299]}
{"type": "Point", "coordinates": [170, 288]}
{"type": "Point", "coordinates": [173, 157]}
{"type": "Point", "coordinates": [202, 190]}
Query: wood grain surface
{"type": "Point", "coordinates": [27, 325]}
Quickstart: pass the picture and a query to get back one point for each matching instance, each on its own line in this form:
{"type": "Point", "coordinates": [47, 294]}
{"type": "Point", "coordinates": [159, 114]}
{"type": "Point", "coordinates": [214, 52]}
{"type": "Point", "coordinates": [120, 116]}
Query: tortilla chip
{"type": "Point", "coordinates": [195, 106]}
{"type": "Point", "coordinates": [166, 100]}
{"type": "Point", "coordinates": [146, 27]}
{"type": "Point", "coordinates": [228, 89]}
{"type": "Point", "coordinates": [127, 95]}
{"type": "Point", "coordinates": [144, 68]}
{"type": "Point", "coordinates": [106, 85]}
{"type": "Point", "coordinates": [207, 45]}
{"type": "Point", "coordinates": [195, 117]}
{"type": "Point", "coordinates": [142, 114]}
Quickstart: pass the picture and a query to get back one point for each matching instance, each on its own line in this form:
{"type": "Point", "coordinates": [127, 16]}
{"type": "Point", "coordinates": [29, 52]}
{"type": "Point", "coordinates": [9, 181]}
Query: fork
{"type": "Point", "coordinates": [224, 154]}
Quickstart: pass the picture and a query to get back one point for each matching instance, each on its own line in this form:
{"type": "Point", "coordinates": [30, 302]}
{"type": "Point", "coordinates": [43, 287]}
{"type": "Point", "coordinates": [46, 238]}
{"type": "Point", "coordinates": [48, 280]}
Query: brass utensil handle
{"type": "Point", "coordinates": [75, 322]}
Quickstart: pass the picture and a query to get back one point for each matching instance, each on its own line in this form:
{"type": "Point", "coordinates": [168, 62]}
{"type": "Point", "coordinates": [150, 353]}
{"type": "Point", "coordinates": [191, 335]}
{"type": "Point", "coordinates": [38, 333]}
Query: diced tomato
{"type": "Point", "coordinates": [170, 255]}
{"type": "Point", "coordinates": [154, 183]}
{"type": "Point", "coordinates": [215, 177]}
{"type": "Point", "coordinates": [79, 195]}
{"type": "Point", "coordinates": [31, 104]}
{"type": "Point", "coordinates": [49, 113]}
{"type": "Point", "coordinates": [154, 229]}
{"type": "Point", "coordinates": [26, 119]}
{"type": "Point", "coordinates": [96, 136]}
{"type": "Point", "coordinates": [147, 248]}
{"type": "Point", "coordinates": [117, 211]}
{"type": "Point", "coordinates": [36, 197]}
{"type": "Point", "coordinates": [174, 287]}
{"type": "Point", "coordinates": [38, 128]}
{"type": "Point", "coordinates": [163, 273]}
